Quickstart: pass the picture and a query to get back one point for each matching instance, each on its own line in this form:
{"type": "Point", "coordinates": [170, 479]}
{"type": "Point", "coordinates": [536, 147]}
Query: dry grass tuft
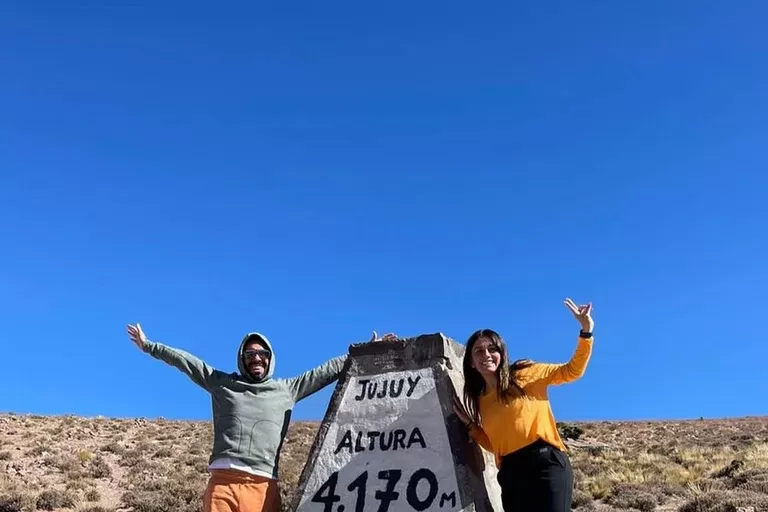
{"type": "Point", "coordinates": [16, 502]}
{"type": "Point", "coordinates": [171, 497]}
{"type": "Point", "coordinates": [54, 499]}
{"type": "Point", "coordinates": [722, 501]}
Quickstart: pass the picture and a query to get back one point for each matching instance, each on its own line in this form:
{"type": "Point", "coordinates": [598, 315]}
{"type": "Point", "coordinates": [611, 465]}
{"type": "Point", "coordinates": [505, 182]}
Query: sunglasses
{"type": "Point", "coordinates": [253, 354]}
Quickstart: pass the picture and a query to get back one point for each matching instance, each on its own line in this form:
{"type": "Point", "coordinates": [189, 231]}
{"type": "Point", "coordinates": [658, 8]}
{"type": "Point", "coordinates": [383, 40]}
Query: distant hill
{"type": "Point", "coordinates": [103, 465]}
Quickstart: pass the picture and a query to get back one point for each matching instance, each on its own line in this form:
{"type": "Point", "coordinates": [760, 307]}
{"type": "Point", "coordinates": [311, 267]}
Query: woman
{"type": "Point", "coordinates": [508, 413]}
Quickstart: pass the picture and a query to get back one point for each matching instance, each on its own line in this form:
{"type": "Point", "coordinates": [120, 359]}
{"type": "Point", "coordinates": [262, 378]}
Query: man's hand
{"type": "Point", "coordinates": [390, 336]}
{"type": "Point", "coordinates": [582, 315]}
{"type": "Point", "coordinates": [137, 335]}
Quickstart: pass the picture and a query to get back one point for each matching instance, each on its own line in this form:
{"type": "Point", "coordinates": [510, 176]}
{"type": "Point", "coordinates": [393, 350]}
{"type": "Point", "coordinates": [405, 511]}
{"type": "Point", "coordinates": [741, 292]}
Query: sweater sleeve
{"type": "Point", "coordinates": [555, 374]}
{"type": "Point", "coordinates": [316, 379]}
{"type": "Point", "coordinates": [196, 369]}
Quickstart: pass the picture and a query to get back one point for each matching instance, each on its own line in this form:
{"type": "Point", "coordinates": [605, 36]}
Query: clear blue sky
{"type": "Point", "coordinates": [315, 171]}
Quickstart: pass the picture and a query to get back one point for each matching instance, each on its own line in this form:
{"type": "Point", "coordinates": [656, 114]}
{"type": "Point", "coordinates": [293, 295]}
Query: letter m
{"type": "Point", "coordinates": [448, 497]}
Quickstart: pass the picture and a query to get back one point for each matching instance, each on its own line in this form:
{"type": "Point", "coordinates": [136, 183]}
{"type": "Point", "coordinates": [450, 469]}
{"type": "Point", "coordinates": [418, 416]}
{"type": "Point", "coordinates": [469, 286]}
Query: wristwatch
{"type": "Point", "coordinates": [585, 335]}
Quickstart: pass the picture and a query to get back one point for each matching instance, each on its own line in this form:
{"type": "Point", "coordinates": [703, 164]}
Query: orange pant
{"type": "Point", "coordinates": [235, 491]}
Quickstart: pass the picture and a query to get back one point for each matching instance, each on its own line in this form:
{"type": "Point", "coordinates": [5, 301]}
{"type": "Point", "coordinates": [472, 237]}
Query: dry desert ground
{"type": "Point", "coordinates": [104, 465]}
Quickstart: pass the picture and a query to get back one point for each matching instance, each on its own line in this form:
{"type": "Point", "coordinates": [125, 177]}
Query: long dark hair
{"type": "Point", "coordinates": [507, 386]}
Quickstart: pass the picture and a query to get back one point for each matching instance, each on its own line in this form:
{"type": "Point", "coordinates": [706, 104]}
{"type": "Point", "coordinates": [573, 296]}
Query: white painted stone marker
{"type": "Point", "coordinates": [390, 441]}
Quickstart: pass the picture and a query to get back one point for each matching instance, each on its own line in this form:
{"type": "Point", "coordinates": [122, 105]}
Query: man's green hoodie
{"type": "Point", "coordinates": [250, 416]}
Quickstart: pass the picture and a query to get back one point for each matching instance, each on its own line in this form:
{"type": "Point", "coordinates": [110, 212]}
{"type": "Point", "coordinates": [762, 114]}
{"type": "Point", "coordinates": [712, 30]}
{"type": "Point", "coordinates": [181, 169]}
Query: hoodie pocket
{"type": "Point", "coordinates": [264, 441]}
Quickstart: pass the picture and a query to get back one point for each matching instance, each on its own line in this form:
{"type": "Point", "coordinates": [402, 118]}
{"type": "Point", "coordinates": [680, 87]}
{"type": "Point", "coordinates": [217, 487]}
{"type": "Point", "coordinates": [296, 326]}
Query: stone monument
{"type": "Point", "coordinates": [390, 441]}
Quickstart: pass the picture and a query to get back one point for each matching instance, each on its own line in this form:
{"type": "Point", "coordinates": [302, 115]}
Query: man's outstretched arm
{"type": "Point", "coordinates": [195, 368]}
{"type": "Point", "coordinates": [316, 379]}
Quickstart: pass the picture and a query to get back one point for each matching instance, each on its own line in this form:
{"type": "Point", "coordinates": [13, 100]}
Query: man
{"type": "Point", "coordinates": [251, 414]}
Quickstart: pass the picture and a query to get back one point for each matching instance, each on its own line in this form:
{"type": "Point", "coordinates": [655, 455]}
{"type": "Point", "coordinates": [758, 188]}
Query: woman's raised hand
{"type": "Point", "coordinates": [583, 315]}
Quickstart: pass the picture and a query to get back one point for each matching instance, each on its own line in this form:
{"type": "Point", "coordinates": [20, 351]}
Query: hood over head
{"type": "Point", "coordinates": [260, 338]}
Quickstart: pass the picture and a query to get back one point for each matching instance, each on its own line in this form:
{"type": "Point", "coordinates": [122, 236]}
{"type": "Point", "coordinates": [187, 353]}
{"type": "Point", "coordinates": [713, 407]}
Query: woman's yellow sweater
{"type": "Point", "coordinates": [507, 427]}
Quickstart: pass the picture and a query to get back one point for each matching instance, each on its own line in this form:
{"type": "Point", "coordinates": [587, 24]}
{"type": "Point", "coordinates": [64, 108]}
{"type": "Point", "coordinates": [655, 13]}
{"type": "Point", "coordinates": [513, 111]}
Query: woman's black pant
{"type": "Point", "coordinates": [537, 478]}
